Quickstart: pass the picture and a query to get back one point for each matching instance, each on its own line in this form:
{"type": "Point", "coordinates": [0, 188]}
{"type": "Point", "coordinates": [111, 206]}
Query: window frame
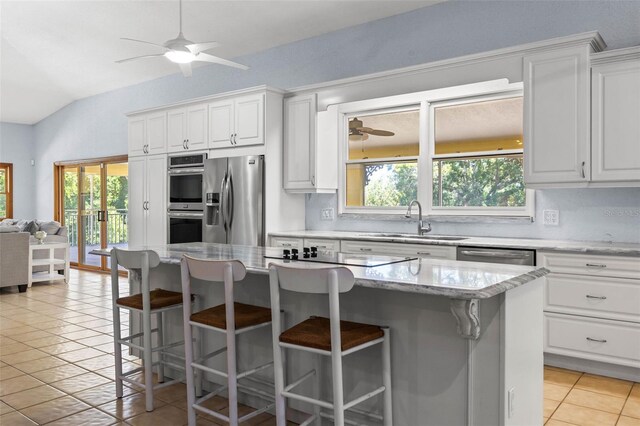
{"type": "Point", "coordinates": [515, 90]}
{"type": "Point", "coordinates": [8, 168]}
{"type": "Point", "coordinates": [424, 101]}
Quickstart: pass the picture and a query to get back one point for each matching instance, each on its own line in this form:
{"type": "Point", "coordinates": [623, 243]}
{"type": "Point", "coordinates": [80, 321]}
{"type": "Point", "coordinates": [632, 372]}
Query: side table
{"type": "Point", "coordinates": [50, 261]}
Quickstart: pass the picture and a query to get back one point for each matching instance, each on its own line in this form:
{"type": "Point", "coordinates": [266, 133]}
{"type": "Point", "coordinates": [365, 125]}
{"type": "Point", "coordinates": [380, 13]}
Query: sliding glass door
{"type": "Point", "coordinates": [93, 204]}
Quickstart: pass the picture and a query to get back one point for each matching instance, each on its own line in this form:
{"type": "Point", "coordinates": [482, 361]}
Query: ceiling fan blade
{"type": "Point", "coordinates": [186, 69]}
{"type": "Point", "coordinates": [139, 57]}
{"type": "Point", "coordinates": [205, 57]}
{"type": "Point", "coordinates": [375, 132]}
{"type": "Point", "coordinates": [201, 47]}
{"type": "Point", "coordinates": [142, 41]}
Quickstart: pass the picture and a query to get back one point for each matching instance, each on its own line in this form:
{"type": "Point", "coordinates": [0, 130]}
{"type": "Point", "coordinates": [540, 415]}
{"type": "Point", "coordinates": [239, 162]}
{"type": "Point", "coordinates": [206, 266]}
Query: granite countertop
{"type": "Point", "coordinates": [449, 278]}
{"type": "Point", "coordinates": [585, 247]}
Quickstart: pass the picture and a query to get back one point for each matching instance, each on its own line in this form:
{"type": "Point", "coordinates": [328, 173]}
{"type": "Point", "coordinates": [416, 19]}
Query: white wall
{"type": "Point", "coordinates": [17, 146]}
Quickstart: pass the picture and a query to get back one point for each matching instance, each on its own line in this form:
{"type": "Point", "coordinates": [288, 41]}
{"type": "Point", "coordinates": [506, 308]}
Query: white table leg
{"type": "Point", "coordinates": [30, 276]}
{"type": "Point", "coordinates": [66, 264]}
{"type": "Point", "coordinates": [51, 265]}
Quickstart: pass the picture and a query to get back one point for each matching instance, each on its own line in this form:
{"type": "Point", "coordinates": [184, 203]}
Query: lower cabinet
{"type": "Point", "coordinates": [147, 221]}
{"type": "Point", "coordinates": [592, 307]}
{"type": "Point", "coordinates": [397, 249]}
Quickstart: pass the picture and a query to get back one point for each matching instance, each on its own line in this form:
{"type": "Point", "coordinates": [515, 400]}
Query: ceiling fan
{"type": "Point", "coordinates": [359, 133]}
{"type": "Point", "coordinates": [183, 52]}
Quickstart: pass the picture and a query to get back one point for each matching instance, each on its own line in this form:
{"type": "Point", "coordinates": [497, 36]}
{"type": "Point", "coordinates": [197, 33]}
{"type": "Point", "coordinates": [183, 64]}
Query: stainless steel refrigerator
{"type": "Point", "coordinates": [234, 200]}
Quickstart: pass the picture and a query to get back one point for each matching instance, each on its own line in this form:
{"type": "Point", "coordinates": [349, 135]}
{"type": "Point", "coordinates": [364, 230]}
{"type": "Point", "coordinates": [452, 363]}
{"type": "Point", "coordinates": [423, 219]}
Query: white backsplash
{"type": "Point", "coordinates": [611, 214]}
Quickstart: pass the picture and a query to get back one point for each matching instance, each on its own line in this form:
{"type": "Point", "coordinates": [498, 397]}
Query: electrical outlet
{"type": "Point", "coordinates": [551, 217]}
{"type": "Point", "coordinates": [326, 214]}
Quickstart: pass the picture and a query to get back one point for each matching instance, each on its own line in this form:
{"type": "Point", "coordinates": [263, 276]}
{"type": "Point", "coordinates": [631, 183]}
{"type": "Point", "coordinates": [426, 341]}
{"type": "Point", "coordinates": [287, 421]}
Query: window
{"type": "Point", "coordinates": [6, 190]}
{"type": "Point", "coordinates": [382, 165]}
{"type": "Point", "coordinates": [459, 151]}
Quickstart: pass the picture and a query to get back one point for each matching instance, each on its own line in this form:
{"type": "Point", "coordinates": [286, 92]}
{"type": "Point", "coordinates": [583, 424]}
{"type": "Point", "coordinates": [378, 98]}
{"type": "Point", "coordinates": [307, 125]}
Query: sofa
{"type": "Point", "coordinates": [55, 233]}
{"type": "Point", "coordinates": [14, 261]}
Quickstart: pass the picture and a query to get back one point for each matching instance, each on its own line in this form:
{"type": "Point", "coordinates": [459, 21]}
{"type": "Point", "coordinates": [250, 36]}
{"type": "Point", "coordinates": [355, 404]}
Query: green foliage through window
{"type": "Point", "coordinates": [390, 184]}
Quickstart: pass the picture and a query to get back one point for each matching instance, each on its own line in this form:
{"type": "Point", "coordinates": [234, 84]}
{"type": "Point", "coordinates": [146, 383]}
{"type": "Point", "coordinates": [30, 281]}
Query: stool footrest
{"type": "Point", "coordinates": [310, 420]}
{"type": "Point", "coordinates": [211, 355]}
{"type": "Point", "coordinates": [363, 398]}
{"type": "Point", "coordinates": [254, 370]}
{"type": "Point", "coordinates": [300, 380]}
{"type": "Point", "coordinates": [307, 399]}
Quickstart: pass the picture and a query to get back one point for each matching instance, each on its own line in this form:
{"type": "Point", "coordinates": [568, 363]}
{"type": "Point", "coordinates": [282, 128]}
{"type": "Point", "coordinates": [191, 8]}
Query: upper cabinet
{"type": "Point", "coordinates": [187, 128]}
{"type": "Point", "coordinates": [148, 134]}
{"type": "Point", "coordinates": [310, 146]}
{"type": "Point", "coordinates": [237, 121]}
{"type": "Point", "coordinates": [615, 106]}
{"type": "Point", "coordinates": [557, 116]}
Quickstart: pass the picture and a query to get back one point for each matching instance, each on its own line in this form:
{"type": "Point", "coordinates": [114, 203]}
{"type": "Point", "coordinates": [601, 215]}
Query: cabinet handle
{"type": "Point", "coordinates": [588, 296]}
{"type": "Point", "coordinates": [313, 181]}
{"type": "Point", "coordinates": [596, 265]}
{"type": "Point", "coordinates": [184, 142]}
{"type": "Point", "coordinates": [365, 249]}
{"type": "Point", "coordinates": [231, 138]}
{"type": "Point", "coordinates": [424, 253]}
{"type": "Point", "coordinates": [235, 140]}
{"type": "Point", "coordinates": [583, 174]}
{"type": "Point", "coordinates": [187, 143]}
{"type": "Point", "coordinates": [597, 340]}
{"type": "Point", "coordinates": [286, 245]}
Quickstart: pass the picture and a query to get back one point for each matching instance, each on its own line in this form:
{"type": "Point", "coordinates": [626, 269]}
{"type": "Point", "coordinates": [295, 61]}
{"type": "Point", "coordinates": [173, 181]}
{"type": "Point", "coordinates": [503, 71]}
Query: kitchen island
{"type": "Point", "coordinates": [466, 338]}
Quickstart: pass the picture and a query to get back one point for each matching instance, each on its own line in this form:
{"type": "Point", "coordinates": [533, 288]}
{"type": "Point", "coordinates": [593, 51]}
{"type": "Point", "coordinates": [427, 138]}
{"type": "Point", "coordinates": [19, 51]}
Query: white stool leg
{"type": "Point", "coordinates": [386, 377]}
{"type": "Point", "coordinates": [117, 336]}
{"type": "Point", "coordinates": [148, 360]}
{"type": "Point", "coordinates": [232, 378]}
{"type": "Point", "coordinates": [188, 360]}
{"type": "Point", "coordinates": [338, 392]}
{"type": "Point", "coordinates": [318, 387]}
{"type": "Point", "coordinates": [159, 320]}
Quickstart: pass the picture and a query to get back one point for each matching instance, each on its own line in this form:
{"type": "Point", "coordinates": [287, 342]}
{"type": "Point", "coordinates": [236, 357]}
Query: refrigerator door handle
{"type": "Point", "coordinates": [223, 201]}
{"type": "Point", "coordinates": [230, 201]}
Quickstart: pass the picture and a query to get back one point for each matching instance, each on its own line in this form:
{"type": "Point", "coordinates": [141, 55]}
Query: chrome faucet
{"type": "Point", "coordinates": [421, 229]}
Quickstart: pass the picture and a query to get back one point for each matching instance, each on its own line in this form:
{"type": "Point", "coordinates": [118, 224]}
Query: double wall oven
{"type": "Point", "coordinates": [186, 198]}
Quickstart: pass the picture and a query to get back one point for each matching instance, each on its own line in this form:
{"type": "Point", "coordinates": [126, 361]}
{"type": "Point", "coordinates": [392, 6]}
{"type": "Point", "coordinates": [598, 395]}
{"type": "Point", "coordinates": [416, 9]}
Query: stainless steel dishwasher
{"type": "Point", "coordinates": [497, 255]}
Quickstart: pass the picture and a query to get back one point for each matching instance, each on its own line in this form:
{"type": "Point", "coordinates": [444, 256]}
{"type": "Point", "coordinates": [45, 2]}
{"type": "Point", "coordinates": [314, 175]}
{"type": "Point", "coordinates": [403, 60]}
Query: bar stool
{"type": "Point", "coordinates": [231, 319]}
{"type": "Point", "coordinates": [146, 303]}
{"type": "Point", "coordinates": [324, 337]}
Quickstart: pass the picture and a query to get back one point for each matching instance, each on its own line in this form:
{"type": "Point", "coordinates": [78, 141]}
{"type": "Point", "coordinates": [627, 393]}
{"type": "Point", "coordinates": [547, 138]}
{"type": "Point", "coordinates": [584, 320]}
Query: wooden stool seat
{"type": "Point", "coordinates": [159, 299]}
{"type": "Point", "coordinates": [316, 333]}
{"type": "Point", "coordinates": [245, 316]}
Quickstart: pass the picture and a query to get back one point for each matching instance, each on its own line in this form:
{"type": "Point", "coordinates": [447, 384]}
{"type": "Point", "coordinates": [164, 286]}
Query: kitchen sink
{"type": "Point", "coordinates": [420, 237]}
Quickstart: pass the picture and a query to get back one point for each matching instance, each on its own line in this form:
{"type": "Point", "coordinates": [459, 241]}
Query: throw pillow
{"type": "Point", "coordinates": [5, 229]}
{"type": "Point", "coordinates": [32, 227]}
{"type": "Point", "coordinates": [51, 228]}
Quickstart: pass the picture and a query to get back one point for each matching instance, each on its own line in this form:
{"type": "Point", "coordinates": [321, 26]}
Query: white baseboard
{"type": "Point", "coordinates": [593, 367]}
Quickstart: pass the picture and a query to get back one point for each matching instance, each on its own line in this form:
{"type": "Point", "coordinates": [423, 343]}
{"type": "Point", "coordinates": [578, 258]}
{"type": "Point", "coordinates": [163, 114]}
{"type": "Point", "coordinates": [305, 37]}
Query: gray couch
{"type": "Point", "coordinates": [55, 233]}
{"type": "Point", "coordinates": [14, 262]}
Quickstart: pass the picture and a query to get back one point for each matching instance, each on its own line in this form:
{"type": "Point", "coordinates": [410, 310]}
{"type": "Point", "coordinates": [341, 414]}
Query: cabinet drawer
{"type": "Point", "coordinates": [323, 245]}
{"type": "Point", "coordinates": [285, 242]}
{"type": "Point", "coordinates": [394, 249]}
{"type": "Point", "coordinates": [612, 298]}
{"type": "Point", "coordinates": [615, 342]}
{"type": "Point", "coordinates": [600, 266]}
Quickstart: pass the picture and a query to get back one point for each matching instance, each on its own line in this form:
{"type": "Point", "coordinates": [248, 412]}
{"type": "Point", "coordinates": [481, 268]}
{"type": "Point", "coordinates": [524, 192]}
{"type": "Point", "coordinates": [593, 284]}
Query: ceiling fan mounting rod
{"type": "Point", "coordinates": [180, 17]}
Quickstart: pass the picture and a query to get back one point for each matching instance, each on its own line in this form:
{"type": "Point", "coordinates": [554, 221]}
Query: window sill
{"type": "Point", "coordinates": [438, 218]}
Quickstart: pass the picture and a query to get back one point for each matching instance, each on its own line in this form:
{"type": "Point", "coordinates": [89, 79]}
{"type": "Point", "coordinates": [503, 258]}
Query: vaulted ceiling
{"type": "Point", "coordinates": [54, 52]}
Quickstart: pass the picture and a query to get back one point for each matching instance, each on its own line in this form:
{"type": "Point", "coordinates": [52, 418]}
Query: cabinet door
{"type": "Point", "coordinates": [156, 175]}
{"type": "Point", "coordinates": [287, 243]}
{"type": "Point", "coordinates": [557, 116]}
{"type": "Point", "coordinates": [221, 124]}
{"type": "Point", "coordinates": [197, 127]}
{"type": "Point", "coordinates": [176, 130]}
{"type": "Point", "coordinates": [616, 121]}
{"type": "Point", "coordinates": [157, 133]}
{"type": "Point", "coordinates": [136, 136]}
{"type": "Point", "coordinates": [249, 120]}
{"type": "Point", "coordinates": [299, 142]}
{"type": "Point", "coordinates": [136, 220]}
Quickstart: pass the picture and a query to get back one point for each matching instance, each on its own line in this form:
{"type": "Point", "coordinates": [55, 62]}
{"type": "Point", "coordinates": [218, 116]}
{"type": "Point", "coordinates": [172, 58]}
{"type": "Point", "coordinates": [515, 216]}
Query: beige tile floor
{"type": "Point", "coordinates": [56, 368]}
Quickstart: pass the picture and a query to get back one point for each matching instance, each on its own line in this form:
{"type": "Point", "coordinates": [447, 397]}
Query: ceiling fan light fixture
{"type": "Point", "coordinates": [180, 56]}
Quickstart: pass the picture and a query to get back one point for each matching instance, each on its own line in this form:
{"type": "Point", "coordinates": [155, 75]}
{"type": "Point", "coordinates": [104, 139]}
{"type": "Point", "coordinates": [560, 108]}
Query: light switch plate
{"type": "Point", "coordinates": [550, 217]}
{"type": "Point", "coordinates": [326, 214]}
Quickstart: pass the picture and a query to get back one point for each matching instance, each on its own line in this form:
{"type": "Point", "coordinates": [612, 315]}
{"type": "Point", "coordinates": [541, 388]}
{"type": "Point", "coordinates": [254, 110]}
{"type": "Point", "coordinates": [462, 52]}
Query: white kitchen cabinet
{"type": "Point", "coordinates": [147, 200]}
{"type": "Point", "coordinates": [557, 117]}
{"type": "Point", "coordinates": [310, 146]}
{"type": "Point", "coordinates": [287, 243]}
{"type": "Point", "coordinates": [237, 121]}
{"type": "Point", "coordinates": [187, 128]}
{"type": "Point", "coordinates": [592, 307]}
{"type": "Point", "coordinates": [615, 103]}
{"type": "Point", "coordinates": [148, 134]}
{"type": "Point", "coordinates": [397, 249]}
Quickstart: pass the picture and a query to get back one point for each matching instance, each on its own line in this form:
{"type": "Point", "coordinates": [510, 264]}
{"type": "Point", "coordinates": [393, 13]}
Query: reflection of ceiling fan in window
{"type": "Point", "coordinates": [359, 133]}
